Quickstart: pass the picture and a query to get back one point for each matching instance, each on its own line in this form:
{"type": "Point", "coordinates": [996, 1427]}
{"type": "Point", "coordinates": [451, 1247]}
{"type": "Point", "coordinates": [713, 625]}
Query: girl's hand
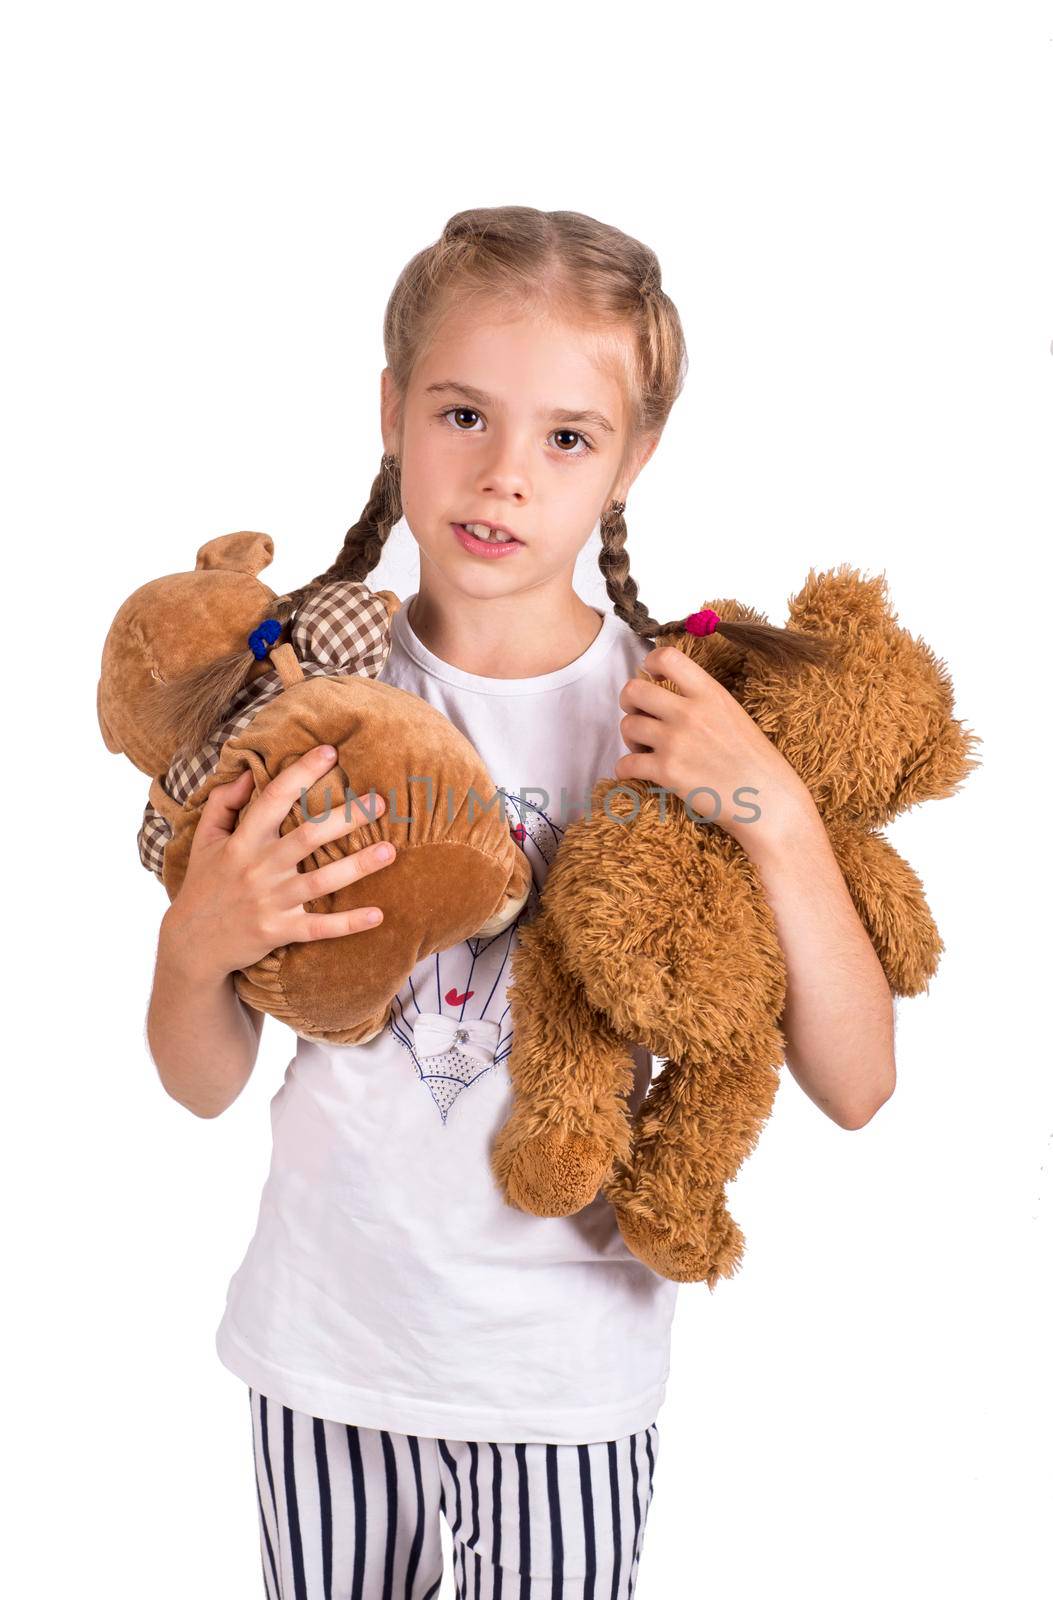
{"type": "Point", "coordinates": [701, 745]}
{"type": "Point", "coordinates": [243, 895]}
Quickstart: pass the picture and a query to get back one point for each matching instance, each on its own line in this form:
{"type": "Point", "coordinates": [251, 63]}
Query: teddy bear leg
{"type": "Point", "coordinates": [692, 1132]}
{"type": "Point", "coordinates": [711, 1250]}
{"type": "Point", "coordinates": [571, 1077]}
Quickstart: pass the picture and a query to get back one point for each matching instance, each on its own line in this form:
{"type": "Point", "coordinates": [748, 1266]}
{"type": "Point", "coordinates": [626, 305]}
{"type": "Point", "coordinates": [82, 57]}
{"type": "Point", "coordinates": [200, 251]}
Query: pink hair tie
{"type": "Point", "coordinates": [701, 622]}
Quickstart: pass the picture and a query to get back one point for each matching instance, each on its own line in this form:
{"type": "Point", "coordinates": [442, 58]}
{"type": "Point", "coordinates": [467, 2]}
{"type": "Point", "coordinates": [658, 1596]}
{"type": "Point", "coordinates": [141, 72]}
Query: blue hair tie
{"type": "Point", "coordinates": [261, 638]}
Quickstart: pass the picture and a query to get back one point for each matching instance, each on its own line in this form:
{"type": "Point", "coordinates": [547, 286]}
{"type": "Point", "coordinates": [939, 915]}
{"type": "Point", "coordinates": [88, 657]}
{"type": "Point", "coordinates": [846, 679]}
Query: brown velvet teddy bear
{"type": "Point", "coordinates": [653, 928]}
{"type": "Point", "coordinates": [182, 696]}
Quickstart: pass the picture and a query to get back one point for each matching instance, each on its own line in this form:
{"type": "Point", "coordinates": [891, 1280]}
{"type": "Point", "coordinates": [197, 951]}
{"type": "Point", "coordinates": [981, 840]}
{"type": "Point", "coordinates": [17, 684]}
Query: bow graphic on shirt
{"type": "Point", "coordinates": [434, 1035]}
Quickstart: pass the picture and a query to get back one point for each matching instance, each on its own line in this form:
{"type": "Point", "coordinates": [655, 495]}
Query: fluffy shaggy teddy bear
{"type": "Point", "coordinates": [457, 872]}
{"type": "Point", "coordinates": [654, 928]}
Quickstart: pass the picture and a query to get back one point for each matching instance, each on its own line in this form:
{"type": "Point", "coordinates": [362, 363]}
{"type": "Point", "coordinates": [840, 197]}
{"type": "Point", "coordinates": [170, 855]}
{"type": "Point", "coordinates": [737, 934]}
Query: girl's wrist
{"type": "Point", "coordinates": [785, 817]}
{"type": "Point", "coordinates": [180, 945]}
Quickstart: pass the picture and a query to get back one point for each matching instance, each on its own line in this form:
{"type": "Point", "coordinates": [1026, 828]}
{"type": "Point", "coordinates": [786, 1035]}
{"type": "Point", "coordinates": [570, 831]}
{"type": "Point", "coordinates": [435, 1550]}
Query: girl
{"type": "Point", "coordinates": [409, 1341]}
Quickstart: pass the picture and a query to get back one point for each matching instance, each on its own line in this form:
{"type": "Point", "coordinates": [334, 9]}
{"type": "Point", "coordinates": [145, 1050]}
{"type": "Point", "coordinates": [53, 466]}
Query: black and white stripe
{"type": "Point", "coordinates": [349, 1513]}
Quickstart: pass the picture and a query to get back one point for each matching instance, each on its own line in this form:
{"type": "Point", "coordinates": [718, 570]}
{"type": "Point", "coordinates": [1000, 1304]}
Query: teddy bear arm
{"type": "Point", "coordinates": [890, 902]}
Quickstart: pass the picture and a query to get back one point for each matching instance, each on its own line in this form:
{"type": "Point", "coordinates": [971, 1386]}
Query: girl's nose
{"type": "Point", "coordinates": [504, 473]}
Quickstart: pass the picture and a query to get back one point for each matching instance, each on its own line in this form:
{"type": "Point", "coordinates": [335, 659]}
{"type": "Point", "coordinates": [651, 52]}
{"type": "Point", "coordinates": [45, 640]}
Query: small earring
{"type": "Point", "coordinates": [389, 462]}
{"type": "Point", "coordinates": [616, 508]}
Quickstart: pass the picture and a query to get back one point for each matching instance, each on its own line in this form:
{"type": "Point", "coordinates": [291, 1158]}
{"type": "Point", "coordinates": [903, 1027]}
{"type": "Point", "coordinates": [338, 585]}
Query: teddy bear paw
{"type": "Point", "coordinates": [555, 1173]}
{"type": "Point", "coordinates": [705, 1250]}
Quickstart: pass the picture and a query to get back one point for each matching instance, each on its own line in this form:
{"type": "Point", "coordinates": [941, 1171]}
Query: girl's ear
{"type": "Point", "coordinates": [638, 459]}
{"type": "Point", "coordinates": [389, 412]}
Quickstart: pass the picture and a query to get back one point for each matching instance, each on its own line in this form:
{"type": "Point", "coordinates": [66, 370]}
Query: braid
{"type": "Point", "coordinates": [613, 562]}
{"type": "Point", "coordinates": [188, 708]}
{"type": "Point", "coordinates": [781, 646]}
{"type": "Point", "coordinates": [363, 542]}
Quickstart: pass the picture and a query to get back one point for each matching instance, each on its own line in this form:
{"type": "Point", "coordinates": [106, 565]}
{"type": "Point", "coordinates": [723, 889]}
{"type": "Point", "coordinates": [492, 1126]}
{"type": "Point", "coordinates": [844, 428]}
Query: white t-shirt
{"type": "Point", "coordinates": [389, 1283]}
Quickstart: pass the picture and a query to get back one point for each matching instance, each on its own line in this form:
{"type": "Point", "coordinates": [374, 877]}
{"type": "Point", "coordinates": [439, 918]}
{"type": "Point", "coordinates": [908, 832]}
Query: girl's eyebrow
{"type": "Point", "coordinates": [559, 413]}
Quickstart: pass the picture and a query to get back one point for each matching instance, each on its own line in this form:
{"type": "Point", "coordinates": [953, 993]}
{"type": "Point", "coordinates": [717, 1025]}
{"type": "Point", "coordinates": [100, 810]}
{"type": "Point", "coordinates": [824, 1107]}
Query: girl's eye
{"type": "Point", "coordinates": [469, 411]}
{"type": "Point", "coordinates": [460, 411]}
{"type": "Point", "coordinates": [575, 435]}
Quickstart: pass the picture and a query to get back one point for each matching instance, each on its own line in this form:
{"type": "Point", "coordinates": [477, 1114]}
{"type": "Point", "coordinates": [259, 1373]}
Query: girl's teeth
{"type": "Point", "coordinates": [481, 531]}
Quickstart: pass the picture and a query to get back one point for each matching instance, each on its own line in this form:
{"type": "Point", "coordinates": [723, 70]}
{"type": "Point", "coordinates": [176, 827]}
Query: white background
{"type": "Point", "coordinates": [207, 207]}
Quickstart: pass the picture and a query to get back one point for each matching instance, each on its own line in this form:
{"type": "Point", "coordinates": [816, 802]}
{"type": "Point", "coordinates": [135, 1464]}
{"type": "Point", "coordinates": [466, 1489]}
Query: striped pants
{"type": "Point", "coordinates": [349, 1513]}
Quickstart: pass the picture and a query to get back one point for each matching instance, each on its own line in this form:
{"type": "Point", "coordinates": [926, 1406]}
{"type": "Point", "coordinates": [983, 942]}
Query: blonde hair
{"type": "Point", "coordinates": [574, 268]}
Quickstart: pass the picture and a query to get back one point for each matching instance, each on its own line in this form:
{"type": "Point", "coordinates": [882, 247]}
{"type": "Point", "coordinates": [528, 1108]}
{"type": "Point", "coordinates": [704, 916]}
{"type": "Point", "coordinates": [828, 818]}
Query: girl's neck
{"type": "Point", "coordinates": [515, 636]}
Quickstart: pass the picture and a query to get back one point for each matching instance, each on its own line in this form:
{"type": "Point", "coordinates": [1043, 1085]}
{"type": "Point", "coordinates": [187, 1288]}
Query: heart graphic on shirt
{"type": "Point", "coordinates": [452, 1054]}
{"type": "Point", "coordinates": [452, 998]}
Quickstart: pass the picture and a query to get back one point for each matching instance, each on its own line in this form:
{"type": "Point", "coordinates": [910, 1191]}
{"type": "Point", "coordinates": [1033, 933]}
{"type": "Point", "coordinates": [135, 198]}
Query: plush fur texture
{"type": "Point", "coordinates": [457, 870]}
{"type": "Point", "coordinates": [656, 930]}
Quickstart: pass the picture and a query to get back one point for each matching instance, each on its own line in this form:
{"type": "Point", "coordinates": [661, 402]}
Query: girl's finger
{"type": "Point", "coordinates": [276, 799]}
{"type": "Point", "coordinates": [641, 695]}
{"type": "Point", "coordinates": [675, 667]}
{"type": "Point", "coordinates": [640, 732]}
{"type": "Point", "coordinates": [314, 831]}
{"type": "Point", "coordinates": [334, 924]}
{"type": "Point", "coordinates": [220, 812]}
{"type": "Point", "coordinates": [338, 874]}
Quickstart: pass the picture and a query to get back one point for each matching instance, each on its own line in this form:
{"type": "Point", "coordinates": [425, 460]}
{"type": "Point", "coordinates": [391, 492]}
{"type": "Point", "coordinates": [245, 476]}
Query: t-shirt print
{"type": "Point", "coordinates": [452, 1015]}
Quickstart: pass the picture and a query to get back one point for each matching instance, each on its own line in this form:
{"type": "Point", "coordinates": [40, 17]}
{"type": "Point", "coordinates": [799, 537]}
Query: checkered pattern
{"type": "Point", "coordinates": [344, 627]}
{"type": "Point", "coordinates": [341, 631]}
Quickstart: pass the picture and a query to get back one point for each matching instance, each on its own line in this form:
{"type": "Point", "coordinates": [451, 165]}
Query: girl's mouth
{"type": "Point", "coordinates": [484, 547]}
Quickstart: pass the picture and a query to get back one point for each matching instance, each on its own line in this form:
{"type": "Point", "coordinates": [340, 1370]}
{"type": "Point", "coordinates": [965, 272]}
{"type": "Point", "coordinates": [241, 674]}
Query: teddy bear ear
{"type": "Point", "coordinates": [236, 552]}
{"type": "Point", "coordinates": [841, 601]}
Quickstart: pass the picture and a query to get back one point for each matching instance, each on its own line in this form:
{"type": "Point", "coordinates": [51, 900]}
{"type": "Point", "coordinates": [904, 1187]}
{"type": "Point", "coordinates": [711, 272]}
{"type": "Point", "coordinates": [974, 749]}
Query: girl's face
{"type": "Point", "coordinates": [515, 423]}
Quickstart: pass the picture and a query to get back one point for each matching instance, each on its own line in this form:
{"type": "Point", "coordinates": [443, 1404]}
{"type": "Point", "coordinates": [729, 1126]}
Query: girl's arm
{"type": "Point", "coordinates": [242, 896]}
{"type": "Point", "coordinates": [838, 1018]}
{"type": "Point", "coordinates": [202, 1037]}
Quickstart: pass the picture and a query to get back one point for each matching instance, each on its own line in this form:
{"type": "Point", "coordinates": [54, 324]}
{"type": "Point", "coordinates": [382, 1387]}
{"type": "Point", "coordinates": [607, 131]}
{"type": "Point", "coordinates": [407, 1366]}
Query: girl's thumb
{"type": "Point", "coordinates": [221, 808]}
